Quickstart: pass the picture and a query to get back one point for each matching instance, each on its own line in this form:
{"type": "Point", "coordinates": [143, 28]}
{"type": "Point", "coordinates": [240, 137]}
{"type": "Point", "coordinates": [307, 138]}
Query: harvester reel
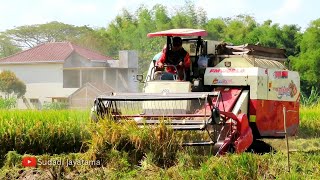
{"type": "Point", "coordinates": [100, 110]}
{"type": "Point", "coordinates": [178, 112]}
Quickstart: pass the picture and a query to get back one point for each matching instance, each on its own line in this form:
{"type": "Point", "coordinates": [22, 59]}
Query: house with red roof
{"type": "Point", "coordinates": [54, 71]}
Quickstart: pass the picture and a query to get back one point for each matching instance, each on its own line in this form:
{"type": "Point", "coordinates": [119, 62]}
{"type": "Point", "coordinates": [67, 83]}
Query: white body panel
{"type": "Point", "coordinates": [242, 104]}
{"type": "Point", "coordinates": [283, 85]}
{"type": "Point", "coordinates": [263, 83]}
{"type": "Point", "coordinates": [167, 86]}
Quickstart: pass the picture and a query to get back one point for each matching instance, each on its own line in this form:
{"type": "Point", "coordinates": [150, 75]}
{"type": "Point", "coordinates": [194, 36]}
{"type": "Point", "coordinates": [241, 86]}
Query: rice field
{"type": "Point", "coordinates": [39, 132]}
{"type": "Point", "coordinates": [125, 151]}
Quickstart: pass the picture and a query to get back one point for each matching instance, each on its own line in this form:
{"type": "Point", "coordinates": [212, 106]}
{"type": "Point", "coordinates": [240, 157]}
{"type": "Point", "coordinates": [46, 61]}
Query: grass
{"type": "Point", "coordinates": [128, 152]}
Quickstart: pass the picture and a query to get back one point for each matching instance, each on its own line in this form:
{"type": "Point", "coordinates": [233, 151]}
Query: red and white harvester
{"type": "Point", "coordinates": [236, 94]}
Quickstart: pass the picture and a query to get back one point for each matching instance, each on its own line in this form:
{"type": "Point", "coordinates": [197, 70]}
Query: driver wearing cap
{"type": "Point", "coordinates": [177, 57]}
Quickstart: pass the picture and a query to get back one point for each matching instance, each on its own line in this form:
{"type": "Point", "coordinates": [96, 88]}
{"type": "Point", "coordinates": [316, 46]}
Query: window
{"type": "Point", "coordinates": [71, 78]}
{"type": "Point", "coordinates": [60, 100]}
{"type": "Point", "coordinates": [34, 101]}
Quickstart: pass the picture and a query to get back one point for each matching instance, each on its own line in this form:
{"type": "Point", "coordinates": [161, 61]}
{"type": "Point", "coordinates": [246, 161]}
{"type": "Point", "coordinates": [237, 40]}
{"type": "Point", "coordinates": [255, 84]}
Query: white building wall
{"type": "Point", "coordinates": [36, 73]}
{"type": "Point", "coordinates": [43, 81]}
{"type": "Point", "coordinates": [132, 82]}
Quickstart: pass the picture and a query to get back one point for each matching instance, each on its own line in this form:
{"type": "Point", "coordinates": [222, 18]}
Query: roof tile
{"type": "Point", "coordinates": [52, 52]}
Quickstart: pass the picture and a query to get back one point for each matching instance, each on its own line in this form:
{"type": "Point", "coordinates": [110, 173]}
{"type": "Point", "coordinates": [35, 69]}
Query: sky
{"type": "Point", "coordinates": [99, 13]}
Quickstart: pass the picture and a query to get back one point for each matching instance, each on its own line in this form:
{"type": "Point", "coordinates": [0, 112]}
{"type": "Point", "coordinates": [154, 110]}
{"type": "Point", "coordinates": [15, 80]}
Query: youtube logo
{"type": "Point", "coordinates": [29, 161]}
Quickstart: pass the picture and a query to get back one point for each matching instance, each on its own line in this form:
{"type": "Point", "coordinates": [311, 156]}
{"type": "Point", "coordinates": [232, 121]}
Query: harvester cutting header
{"type": "Point", "coordinates": [234, 93]}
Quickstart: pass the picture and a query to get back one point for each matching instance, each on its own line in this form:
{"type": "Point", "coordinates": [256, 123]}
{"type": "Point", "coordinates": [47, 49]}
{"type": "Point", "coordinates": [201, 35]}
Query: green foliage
{"type": "Point", "coordinates": [10, 84]}
{"type": "Point", "coordinates": [7, 47]}
{"type": "Point", "coordinates": [216, 29]}
{"type": "Point", "coordinates": [128, 31]}
{"type": "Point", "coordinates": [29, 36]}
{"type": "Point", "coordinates": [238, 28]}
{"type": "Point", "coordinates": [311, 99]}
{"type": "Point", "coordinates": [54, 106]}
{"type": "Point", "coordinates": [308, 61]}
{"type": "Point", "coordinates": [8, 103]}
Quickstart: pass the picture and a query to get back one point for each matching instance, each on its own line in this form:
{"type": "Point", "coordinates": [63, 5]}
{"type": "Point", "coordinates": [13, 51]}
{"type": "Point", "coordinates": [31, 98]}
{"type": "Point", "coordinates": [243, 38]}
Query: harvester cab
{"type": "Point", "coordinates": [235, 94]}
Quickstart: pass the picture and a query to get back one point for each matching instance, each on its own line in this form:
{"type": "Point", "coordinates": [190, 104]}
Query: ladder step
{"type": "Point", "coordinates": [200, 143]}
{"type": "Point", "coordinates": [187, 122]}
{"type": "Point", "coordinates": [181, 127]}
{"type": "Point", "coordinates": [281, 132]}
{"type": "Point", "coordinates": [188, 127]}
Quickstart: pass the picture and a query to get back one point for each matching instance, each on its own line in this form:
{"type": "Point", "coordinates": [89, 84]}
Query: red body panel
{"type": "Point", "coordinates": [245, 138]}
{"type": "Point", "coordinates": [242, 135]}
{"type": "Point", "coordinates": [229, 97]}
{"type": "Point", "coordinates": [269, 117]}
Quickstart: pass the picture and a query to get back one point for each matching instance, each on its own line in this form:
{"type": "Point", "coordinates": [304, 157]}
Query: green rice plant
{"type": "Point", "coordinates": [55, 106]}
{"type": "Point", "coordinates": [127, 151]}
{"type": "Point", "coordinates": [160, 140]}
{"type": "Point", "coordinates": [12, 159]}
{"type": "Point", "coordinates": [309, 122]}
{"type": "Point", "coordinates": [41, 132]}
{"type": "Point", "coordinates": [303, 165]}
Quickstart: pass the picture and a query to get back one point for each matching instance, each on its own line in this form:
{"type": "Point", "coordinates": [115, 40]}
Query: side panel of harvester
{"type": "Point", "coordinates": [270, 91]}
{"type": "Point", "coordinates": [283, 91]}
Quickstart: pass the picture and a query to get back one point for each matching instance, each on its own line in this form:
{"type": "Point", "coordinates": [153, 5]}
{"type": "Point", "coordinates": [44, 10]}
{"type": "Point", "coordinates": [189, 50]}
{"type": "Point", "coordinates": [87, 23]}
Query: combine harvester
{"type": "Point", "coordinates": [234, 93]}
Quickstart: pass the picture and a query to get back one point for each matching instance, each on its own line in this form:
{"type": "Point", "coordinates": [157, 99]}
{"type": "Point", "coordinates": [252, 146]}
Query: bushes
{"type": "Point", "coordinates": [312, 99]}
{"type": "Point", "coordinates": [7, 103]}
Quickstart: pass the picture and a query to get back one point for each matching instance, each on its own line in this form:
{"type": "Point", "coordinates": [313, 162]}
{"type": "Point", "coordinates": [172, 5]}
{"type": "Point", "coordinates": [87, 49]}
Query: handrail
{"type": "Point", "coordinates": [168, 65]}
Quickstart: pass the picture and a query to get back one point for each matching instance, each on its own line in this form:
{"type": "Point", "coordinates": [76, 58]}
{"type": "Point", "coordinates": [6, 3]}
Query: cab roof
{"type": "Point", "coordinates": [179, 32]}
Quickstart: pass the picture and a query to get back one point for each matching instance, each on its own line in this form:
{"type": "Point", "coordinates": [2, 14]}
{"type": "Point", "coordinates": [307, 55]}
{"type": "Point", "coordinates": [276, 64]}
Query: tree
{"type": "Point", "coordinates": [32, 35]}
{"type": "Point", "coordinates": [129, 30]}
{"type": "Point", "coordinates": [216, 28]}
{"type": "Point", "coordinates": [238, 28]}
{"type": "Point", "coordinates": [188, 16]}
{"type": "Point", "coordinates": [7, 47]}
{"type": "Point", "coordinates": [24, 37]}
{"type": "Point", "coordinates": [11, 85]}
{"type": "Point", "coordinates": [308, 61]}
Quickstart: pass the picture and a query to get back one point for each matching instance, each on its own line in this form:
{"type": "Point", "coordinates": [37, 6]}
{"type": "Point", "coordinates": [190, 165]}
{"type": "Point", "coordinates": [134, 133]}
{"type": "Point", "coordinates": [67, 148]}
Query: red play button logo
{"type": "Point", "coordinates": [29, 161]}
